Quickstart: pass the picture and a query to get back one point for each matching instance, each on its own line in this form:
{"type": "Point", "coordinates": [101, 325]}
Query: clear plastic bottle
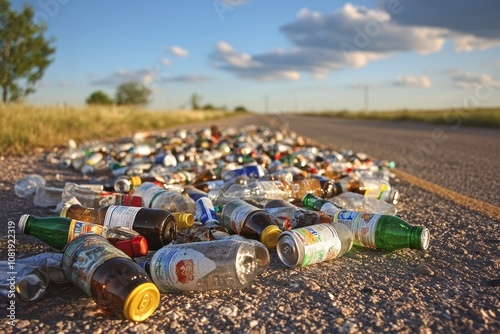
{"type": "Point", "coordinates": [32, 276]}
{"type": "Point", "coordinates": [202, 266]}
{"type": "Point", "coordinates": [156, 197]}
{"type": "Point", "coordinates": [27, 186]}
{"type": "Point", "coordinates": [48, 196]}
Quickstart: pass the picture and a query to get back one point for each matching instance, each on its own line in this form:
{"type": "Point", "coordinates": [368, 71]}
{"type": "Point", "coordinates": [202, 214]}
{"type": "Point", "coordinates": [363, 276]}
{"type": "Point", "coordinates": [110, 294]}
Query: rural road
{"type": "Point", "coordinates": [452, 287]}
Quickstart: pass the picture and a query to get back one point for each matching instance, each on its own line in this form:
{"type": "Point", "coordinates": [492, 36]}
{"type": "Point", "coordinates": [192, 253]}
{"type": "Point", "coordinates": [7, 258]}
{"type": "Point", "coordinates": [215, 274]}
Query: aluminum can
{"type": "Point", "coordinates": [307, 245]}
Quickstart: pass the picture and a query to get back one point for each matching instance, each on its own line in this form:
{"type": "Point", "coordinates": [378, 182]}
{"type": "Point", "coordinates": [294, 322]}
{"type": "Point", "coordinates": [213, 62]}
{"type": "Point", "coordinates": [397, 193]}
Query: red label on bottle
{"type": "Point", "coordinates": [184, 271]}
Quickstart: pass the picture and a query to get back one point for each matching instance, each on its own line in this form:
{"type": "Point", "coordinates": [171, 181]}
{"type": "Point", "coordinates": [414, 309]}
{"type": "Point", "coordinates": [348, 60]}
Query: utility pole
{"type": "Point", "coordinates": [266, 104]}
{"type": "Point", "coordinates": [367, 98]}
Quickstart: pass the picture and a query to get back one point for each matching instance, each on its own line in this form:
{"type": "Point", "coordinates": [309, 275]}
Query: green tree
{"type": "Point", "coordinates": [132, 93]}
{"type": "Point", "coordinates": [195, 101]}
{"type": "Point", "coordinates": [240, 109]}
{"type": "Point", "coordinates": [24, 52]}
{"type": "Point", "coordinates": [100, 98]}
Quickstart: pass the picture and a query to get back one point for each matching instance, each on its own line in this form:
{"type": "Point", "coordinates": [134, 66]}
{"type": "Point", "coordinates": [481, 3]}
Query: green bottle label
{"type": "Point", "coordinates": [361, 224]}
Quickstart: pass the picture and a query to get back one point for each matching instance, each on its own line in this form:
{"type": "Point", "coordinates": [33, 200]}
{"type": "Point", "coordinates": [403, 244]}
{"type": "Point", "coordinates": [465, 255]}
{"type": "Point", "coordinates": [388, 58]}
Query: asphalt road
{"type": "Point", "coordinates": [452, 287]}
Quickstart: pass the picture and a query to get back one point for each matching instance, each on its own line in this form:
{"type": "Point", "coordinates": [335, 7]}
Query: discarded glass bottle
{"type": "Point", "coordinates": [117, 284]}
{"type": "Point", "coordinates": [59, 231]}
{"type": "Point", "coordinates": [159, 227]}
{"type": "Point", "coordinates": [201, 266]}
{"type": "Point", "coordinates": [375, 231]}
{"type": "Point", "coordinates": [184, 220]}
{"type": "Point", "coordinates": [251, 222]}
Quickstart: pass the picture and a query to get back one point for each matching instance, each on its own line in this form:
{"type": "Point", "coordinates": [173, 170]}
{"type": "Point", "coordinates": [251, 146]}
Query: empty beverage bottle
{"type": "Point", "coordinates": [299, 217]}
{"type": "Point", "coordinates": [184, 220]}
{"type": "Point", "coordinates": [357, 202]}
{"type": "Point", "coordinates": [29, 279]}
{"type": "Point", "coordinates": [27, 186]}
{"type": "Point", "coordinates": [47, 196]}
{"type": "Point", "coordinates": [201, 266]}
{"type": "Point", "coordinates": [159, 227]}
{"type": "Point", "coordinates": [94, 196]}
{"type": "Point", "coordinates": [312, 244]}
{"type": "Point", "coordinates": [380, 189]}
{"type": "Point", "coordinates": [156, 197]}
{"type": "Point", "coordinates": [316, 203]}
{"type": "Point", "coordinates": [117, 284]}
{"type": "Point", "coordinates": [375, 231]}
{"type": "Point", "coordinates": [125, 183]}
{"type": "Point", "coordinates": [57, 232]}
{"type": "Point", "coordinates": [251, 222]}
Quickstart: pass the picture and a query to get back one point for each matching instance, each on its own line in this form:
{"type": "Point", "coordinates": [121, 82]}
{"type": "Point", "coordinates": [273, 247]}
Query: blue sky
{"type": "Point", "coordinates": [297, 55]}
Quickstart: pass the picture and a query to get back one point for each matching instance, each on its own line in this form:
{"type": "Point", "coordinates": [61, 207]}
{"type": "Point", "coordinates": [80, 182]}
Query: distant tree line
{"type": "Point", "coordinates": [135, 94]}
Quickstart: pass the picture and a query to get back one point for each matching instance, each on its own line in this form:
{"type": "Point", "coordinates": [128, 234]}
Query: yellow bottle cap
{"type": "Point", "coordinates": [141, 302]}
{"type": "Point", "coordinates": [269, 237]}
{"type": "Point", "coordinates": [184, 219]}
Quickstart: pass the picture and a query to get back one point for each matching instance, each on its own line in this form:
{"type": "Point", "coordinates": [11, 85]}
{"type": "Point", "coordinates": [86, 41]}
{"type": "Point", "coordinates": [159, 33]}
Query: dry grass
{"type": "Point", "coordinates": [24, 128]}
{"type": "Point", "coordinates": [484, 117]}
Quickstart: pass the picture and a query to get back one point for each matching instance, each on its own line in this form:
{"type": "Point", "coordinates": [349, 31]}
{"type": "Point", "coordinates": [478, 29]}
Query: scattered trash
{"type": "Point", "coordinates": [211, 206]}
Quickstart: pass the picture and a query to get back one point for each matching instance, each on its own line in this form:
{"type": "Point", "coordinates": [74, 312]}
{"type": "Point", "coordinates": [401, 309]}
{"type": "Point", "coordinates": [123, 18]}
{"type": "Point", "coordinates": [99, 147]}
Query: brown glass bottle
{"type": "Point", "coordinates": [204, 176]}
{"type": "Point", "coordinates": [118, 285]}
{"type": "Point", "coordinates": [250, 222]}
{"type": "Point", "coordinates": [159, 227]}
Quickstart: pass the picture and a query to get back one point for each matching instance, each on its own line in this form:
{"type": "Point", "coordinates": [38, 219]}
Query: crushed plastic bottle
{"type": "Point", "coordinates": [28, 185]}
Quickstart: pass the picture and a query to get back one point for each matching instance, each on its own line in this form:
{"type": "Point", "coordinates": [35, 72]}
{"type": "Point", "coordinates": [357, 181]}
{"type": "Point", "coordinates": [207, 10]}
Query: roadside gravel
{"type": "Point", "coordinates": [452, 287]}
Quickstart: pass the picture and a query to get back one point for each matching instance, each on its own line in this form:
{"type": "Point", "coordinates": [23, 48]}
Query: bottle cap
{"type": "Point", "coordinates": [183, 219]}
{"type": "Point", "coordinates": [141, 302]}
{"type": "Point", "coordinates": [22, 223]}
{"type": "Point", "coordinates": [269, 237]}
{"type": "Point", "coordinates": [134, 247]}
{"type": "Point", "coordinates": [424, 239]}
{"type": "Point", "coordinates": [130, 200]}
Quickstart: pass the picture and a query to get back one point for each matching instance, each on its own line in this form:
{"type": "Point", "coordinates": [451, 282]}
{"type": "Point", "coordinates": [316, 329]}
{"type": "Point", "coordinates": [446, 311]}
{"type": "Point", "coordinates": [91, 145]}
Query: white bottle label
{"type": "Point", "coordinates": [118, 215]}
{"type": "Point", "coordinates": [238, 216]}
{"type": "Point", "coordinates": [329, 208]}
{"type": "Point", "coordinates": [178, 269]}
{"type": "Point", "coordinates": [361, 224]}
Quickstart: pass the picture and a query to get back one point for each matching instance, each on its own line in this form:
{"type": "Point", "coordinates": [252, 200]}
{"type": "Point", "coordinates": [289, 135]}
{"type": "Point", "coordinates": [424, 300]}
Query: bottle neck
{"type": "Point", "coordinates": [419, 238]}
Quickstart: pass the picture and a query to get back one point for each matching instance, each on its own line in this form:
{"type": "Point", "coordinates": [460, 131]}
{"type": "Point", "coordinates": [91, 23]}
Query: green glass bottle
{"type": "Point", "coordinates": [309, 201]}
{"type": "Point", "coordinates": [56, 231]}
{"type": "Point", "coordinates": [375, 231]}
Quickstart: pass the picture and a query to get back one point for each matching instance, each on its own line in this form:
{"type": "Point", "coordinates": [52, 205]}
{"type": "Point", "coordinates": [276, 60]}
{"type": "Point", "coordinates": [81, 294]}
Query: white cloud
{"type": "Point", "coordinates": [147, 77]}
{"type": "Point", "coordinates": [469, 80]}
{"type": "Point", "coordinates": [166, 62]}
{"type": "Point", "coordinates": [190, 78]}
{"type": "Point", "coordinates": [178, 51]}
{"type": "Point", "coordinates": [420, 81]}
{"type": "Point", "coordinates": [354, 36]}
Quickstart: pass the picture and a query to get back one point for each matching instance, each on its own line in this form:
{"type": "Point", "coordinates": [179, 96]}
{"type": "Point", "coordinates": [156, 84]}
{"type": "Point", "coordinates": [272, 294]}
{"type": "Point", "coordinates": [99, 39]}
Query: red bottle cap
{"type": "Point", "coordinates": [136, 201]}
{"type": "Point", "coordinates": [134, 247]}
{"type": "Point", "coordinates": [131, 200]}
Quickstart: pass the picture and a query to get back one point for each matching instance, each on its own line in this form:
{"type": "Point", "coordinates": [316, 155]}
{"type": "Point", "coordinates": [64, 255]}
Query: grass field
{"type": "Point", "coordinates": [24, 128]}
{"type": "Point", "coordinates": [484, 117]}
